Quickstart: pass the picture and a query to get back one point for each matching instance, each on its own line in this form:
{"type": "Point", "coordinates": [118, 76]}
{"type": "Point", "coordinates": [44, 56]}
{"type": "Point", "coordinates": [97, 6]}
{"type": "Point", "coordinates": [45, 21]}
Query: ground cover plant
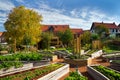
{"type": "Point", "coordinates": [75, 76]}
{"type": "Point", "coordinates": [33, 74]}
{"type": "Point", "coordinates": [111, 74]}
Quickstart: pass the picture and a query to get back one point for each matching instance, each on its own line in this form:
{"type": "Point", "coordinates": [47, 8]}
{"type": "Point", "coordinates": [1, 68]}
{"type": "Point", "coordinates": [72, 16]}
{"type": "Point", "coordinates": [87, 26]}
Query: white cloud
{"type": "Point", "coordinates": [6, 5]}
{"type": "Point", "coordinates": [78, 18]}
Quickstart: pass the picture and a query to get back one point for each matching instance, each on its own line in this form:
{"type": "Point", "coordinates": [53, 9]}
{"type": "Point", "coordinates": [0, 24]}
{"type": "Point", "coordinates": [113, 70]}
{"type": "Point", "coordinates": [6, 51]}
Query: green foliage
{"type": "Point", "coordinates": [46, 39]}
{"type": "Point", "coordinates": [94, 36]}
{"type": "Point", "coordinates": [86, 38]}
{"type": "Point", "coordinates": [102, 31]}
{"type": "Point", "coordinates": [9, 64]}
{"type": "Point", "coordinates": [112, 45]}
{"type": "Point", "coordinates": [112, 75]}
{"type": "Point", "coordinates": [23, 23]}
{"type": "Point", "coordinates": [15, 59]}
{"type": "Point", "coordinates": [66, 37]}
{"type": "Point", "coordinates": [116, 61]}
{"type": "Point", "coordinates": [87, 47]}
{"type": "Point", "coordinates": [22, 57]}
{"type": "Point", "coordinates": [75, 76]}
{"type": "Point", "coordinates": [30, 75]}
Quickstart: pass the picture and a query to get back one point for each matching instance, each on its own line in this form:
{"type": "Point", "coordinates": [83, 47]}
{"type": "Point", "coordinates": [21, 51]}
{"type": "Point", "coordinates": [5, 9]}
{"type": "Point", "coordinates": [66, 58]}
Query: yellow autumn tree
{"type": "Point", "coordinates": [23, 26]}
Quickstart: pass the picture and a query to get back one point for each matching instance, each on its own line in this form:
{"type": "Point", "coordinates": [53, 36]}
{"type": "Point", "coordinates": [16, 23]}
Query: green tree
{"type": "Point", "coordinates": [86, 37]}
{"type": "Point", "coordinates": [23, 23]}
{"type": "Point", "coordinates": [94, 36]}
{"type": "Point", "coordinates": [46, 39]}
{"type": "Point", "coordinates": [102, 31]}
{"type": "Point", "coordinates": [67, 37]}
{"type": "Point", "coordinates": [86, 40]}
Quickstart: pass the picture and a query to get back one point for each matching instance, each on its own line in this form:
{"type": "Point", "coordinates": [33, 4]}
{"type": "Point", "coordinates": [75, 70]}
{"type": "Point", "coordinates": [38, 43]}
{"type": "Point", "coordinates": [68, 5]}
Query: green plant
{"type": "Point", "coordinates": [111, 74]}
{"type": "Point", "coordinates": [75, 76]}
{"type": "Point", "coordinates": [30, 75]}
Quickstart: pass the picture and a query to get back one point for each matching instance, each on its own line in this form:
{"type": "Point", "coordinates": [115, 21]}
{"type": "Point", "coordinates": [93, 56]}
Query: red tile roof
{"type": "Point", "coordinates": [1, 33]}
{"type": "Point", "coordinates": [108, 25]}
{"type": "Point", "coordinates": [56, 27]}
{"type": "Point", "coordinates": [77, 31]}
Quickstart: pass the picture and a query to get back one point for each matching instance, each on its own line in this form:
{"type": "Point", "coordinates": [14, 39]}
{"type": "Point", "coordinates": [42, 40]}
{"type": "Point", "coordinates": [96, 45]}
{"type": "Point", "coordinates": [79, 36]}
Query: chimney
{"type": "Point", "coordinates": [119, 25]}
{"type": "Point", "coordinates": [114, 23]}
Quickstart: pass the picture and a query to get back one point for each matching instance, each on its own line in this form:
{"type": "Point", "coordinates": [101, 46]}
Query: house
{"type": "Point", "coordinates": [76, 32]}
{"type": "Point", "coordinates": [54, 28]}
{"type": "Point", "coordinates": [2, 38]}
{"type": "Point", "coordinates": [112, 27]}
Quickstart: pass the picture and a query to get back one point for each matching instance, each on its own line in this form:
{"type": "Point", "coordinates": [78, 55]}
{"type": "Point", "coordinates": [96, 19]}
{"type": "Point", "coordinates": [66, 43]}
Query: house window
{"type": "Point", "coordinates": [112, 30]}
{"type": "Point", "coordinates": [116, 30]}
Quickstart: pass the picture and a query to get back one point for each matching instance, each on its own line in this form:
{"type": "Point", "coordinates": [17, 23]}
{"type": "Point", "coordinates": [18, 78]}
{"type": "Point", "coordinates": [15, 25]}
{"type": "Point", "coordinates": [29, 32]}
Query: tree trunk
{"type": "Point", "coordinates": [15, 45]}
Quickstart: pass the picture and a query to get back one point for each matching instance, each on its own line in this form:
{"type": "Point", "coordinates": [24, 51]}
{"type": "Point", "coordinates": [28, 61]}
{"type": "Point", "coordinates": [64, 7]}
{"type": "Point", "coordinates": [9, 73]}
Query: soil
{"type": "Point", "coordinates": [83, 69]}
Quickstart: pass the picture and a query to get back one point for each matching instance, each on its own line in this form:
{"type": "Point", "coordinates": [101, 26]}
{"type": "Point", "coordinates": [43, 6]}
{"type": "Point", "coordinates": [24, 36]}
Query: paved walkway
{"type": "Point", "coordinates": [83, 69]}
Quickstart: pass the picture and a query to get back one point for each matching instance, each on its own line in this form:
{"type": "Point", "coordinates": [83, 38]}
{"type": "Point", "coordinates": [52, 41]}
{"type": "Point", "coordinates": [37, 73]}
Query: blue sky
{"type": "Point", "coordinates": [76, 13]}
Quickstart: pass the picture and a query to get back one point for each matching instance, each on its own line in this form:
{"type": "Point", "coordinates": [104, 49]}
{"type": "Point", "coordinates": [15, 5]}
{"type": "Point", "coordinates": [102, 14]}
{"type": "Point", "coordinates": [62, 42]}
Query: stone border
{"type": "Point", "coordinates": [55, 75]}
{"type": "Point", "coordinates": [96, 74]}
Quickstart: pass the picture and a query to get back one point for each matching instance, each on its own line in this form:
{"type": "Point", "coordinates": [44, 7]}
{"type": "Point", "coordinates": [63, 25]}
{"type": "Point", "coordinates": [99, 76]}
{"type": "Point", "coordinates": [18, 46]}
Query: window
{"type": "Point", "coordinates": [116, 30]}
{"type": "Point", "coordinates": [112, 30]}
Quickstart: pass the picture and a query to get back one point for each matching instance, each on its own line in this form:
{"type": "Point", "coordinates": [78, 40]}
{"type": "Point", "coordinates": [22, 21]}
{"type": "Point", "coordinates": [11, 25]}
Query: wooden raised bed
{"type": "Point", "coordinates": [12, 70]}
{"type": "Point", "coordinates": [79, 62]}
{"type": "Point", "coordinates": [44, 72]}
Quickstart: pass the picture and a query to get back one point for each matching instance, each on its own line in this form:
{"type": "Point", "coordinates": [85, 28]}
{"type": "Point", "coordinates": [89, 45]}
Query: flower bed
{"type": "Point", "coordinates": [75, 76]}
{"type": "Point", "coordinates": [33, 74]}
{"type": "Point", "coordinates": [103, 73]}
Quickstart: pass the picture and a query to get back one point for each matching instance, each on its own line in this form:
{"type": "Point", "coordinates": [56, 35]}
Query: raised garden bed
{"type": "Point", "coordinates": [37, 73]}
{"type": "Point", "coordinates": [103, 73]}
{"type": "Point", "coordinates": [13, 69]}
{"type": "Point", "coordinates": [75, 76]}
{"type": "Point", "coordinates": [115, 64]}
{"type": "Point", "coordinates": [78, 62]}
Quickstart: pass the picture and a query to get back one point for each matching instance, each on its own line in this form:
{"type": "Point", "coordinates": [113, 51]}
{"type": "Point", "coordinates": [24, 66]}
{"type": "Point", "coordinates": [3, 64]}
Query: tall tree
{"type": "Point", "coordinates": [46, 39]}
{"type": "Point", "coordinates": [67, 37]}
{"type": "Point", "coordinates": [86, 37]}
{"type": "Point", "coordinates": [23, 23]}
{"type": "Point", "coordinates": [102, 31]}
